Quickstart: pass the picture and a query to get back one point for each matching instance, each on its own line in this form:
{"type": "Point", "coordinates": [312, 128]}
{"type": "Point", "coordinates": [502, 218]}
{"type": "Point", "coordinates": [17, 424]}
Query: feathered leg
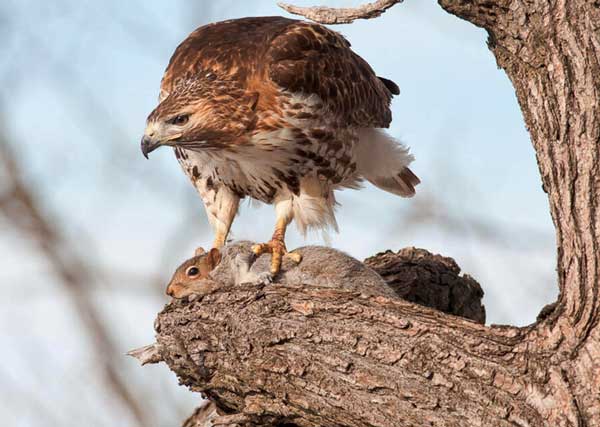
{"type": "Point", "coordinates": [221, 207]}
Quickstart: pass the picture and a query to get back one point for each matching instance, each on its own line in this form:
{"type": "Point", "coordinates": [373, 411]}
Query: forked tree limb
{"type": "Point", "coordinates": [307, 356]}
{"type": "Point", "coordinates": [272, 354]}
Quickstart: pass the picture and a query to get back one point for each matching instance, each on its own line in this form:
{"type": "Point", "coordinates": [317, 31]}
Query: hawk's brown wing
{"type": "Point", "coordinates": [311, 59]}
{"type": "Point", "coordinates": [234, 50]}
{"type": "Point", "coordinates": [297, 56]}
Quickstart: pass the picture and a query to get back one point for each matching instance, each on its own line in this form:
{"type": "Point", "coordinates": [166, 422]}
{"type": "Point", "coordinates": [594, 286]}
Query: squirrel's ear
{"type": "Point", "coordinates": [199, 251]}
{"type": "Point", "coordinates": [214, 257]}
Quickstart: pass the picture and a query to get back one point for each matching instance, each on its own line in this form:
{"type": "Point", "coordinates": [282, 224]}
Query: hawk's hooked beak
{"type": "Point", "coordinates": [148, 145]}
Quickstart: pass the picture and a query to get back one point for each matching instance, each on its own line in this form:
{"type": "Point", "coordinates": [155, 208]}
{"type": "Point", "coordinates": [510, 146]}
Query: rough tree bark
{"type": "Point", "coordinates": [415, 274]}
{"type": "Point", "coordinates": [187, 329]}
{"type": "Point", "coordinates": [298, 355]}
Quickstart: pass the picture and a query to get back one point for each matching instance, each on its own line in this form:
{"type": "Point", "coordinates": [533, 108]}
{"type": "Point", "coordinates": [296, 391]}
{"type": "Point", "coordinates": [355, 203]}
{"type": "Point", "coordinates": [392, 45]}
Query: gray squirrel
{"type": "Point", "coordinates": [236, 264]}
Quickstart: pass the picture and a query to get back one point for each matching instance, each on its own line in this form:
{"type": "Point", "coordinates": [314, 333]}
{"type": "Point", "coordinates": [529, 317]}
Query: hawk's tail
{"type": "Point", "coordinates": [383, 162]}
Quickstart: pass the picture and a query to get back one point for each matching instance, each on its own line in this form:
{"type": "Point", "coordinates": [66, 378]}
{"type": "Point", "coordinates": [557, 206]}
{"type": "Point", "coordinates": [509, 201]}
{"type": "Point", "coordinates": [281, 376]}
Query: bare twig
{"type": "Point", "coordinates": [331, 15]}
{"type": "Point", "coordinates": [147, 354]}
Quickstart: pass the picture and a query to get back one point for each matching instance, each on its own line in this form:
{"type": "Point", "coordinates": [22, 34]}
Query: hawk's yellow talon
{"type": "Point", "coordinates": [259, 249]}
{"type": "Point", "coordinates": [294, 256]}
{"type": "Point", "coordinates": [278, 251]}
{"type": "Point", "coordinates": [276, 257]}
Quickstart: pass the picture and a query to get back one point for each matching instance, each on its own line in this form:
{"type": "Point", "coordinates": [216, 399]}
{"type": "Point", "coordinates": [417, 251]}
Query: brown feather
{"type": "Point", "coordinates": [267, 54]}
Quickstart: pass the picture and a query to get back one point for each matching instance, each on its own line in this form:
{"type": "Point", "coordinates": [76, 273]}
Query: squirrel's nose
{"type": "Point", "coordinates": [170, 291]}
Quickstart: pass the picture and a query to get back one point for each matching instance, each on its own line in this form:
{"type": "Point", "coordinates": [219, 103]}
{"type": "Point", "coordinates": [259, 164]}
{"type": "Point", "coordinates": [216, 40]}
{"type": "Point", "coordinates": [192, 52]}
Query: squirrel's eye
{"type": "Point", "coordinates": [180, 120]}
{"type": "Point", "coordinates": [192, 271]}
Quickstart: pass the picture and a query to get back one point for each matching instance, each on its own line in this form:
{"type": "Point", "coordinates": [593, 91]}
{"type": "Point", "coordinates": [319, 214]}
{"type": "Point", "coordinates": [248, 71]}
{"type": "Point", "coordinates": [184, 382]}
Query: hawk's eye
{"type": "Point", "coordinates": [192, 271]}
{"type": "Point", "coordinates": [180, 120]}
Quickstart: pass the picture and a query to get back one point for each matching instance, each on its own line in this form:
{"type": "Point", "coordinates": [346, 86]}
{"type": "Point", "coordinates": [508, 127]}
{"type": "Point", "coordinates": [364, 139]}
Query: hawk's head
{"type": "Point", "coordinates": [201, 113]}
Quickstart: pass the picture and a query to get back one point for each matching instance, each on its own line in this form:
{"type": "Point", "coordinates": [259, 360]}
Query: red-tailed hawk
{"type": "Point", "coordinates": [281, 111]}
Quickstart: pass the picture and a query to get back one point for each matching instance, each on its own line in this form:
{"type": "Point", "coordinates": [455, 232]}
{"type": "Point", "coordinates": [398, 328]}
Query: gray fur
{"type": "Point", "coordinates": [320, 267]}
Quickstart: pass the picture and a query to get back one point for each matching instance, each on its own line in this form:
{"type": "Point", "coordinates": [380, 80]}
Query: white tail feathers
{"type": "Point", "coordinates": [383, 161]}
{"type": "Point", "coordinates": [314, 212]}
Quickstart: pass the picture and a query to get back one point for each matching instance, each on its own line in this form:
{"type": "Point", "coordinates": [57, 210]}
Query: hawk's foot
{"type": "Point", "coordinates": [277, 249]}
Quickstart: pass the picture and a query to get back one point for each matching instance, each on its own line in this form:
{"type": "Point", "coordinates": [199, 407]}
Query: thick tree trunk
{"type": "Point", "coordinates": [551, 53]}
{"type": "Point", "coordinates": [314, 357]}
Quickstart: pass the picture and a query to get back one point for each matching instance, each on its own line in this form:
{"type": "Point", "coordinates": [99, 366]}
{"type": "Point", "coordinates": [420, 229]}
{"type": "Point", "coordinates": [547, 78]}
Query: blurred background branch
{"type": "Point", "coordinates": [18, 204]}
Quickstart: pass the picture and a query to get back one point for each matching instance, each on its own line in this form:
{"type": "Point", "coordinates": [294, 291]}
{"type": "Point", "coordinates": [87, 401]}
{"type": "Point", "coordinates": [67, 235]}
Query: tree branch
{"type": "Point", "coordinates": [148, 354]}
{"type": "Point", "coordinates": [344, 327]}
{"type": "Point", "coordinates": [330, 15]}
{"type": "Point", "coordinates": [259, 352]}
{"type": "Point", "coordinates": [483, 13]}
{"type": "Point", "coordinates": [430, 280]}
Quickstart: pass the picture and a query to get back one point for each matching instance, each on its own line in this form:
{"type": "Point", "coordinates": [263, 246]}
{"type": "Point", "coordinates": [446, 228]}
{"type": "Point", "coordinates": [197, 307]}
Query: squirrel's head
{"type": "Point", "coordinates": [193, 270]}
